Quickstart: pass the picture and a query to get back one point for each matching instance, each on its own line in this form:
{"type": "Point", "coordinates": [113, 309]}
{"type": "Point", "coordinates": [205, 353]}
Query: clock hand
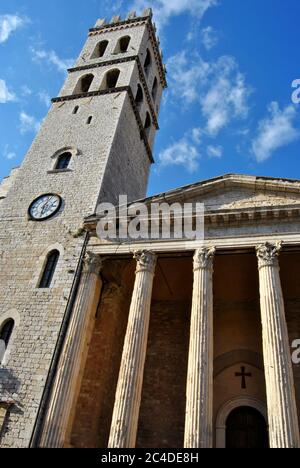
{"type": "Point", "coordinates": [40, 209]}
{"type": "Point", "coordinates": [48, 205]}
{"type": "Point", "coordinates": [44, 208]}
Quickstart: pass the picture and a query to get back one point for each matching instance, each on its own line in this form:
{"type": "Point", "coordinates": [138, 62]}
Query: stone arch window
{"type": "Point", "coordinates": [64, 158]}
{"type": "Point", "coordinates": [139, 98]}
{"type": "Point", "coordinates": [100, 49]}
{"type": "Point", "coordinates": [154, 89]}
{"type": "Point", "coordinates": [84, 84]}
{"type": "Point", "coordinates": [147, 125]}
{"type": "Point", "coordinates": [123, 44]}
{"type": "Point", "coordinates": [9, 323]}
{"type": "Point", "coordinates": [111, 79]}
{"type": "Point", "coordinates": [148, 62]}
{"type": "Point", "coordinates": [63, 161]}
{"type": "Point", "coordinates": [89, 120]}
{"type": "Point", "coordinates": [49, 269]}
{"type": "Point", "coordinates": [6, 331]}
{"type": "Point", "coordinates": [75, 110]}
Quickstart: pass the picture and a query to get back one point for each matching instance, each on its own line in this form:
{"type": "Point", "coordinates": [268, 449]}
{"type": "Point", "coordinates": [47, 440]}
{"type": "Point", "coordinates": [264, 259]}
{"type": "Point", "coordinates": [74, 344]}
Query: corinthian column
{"type": "Point", "coordinates": [67, 381]}
{"type": "Point", "coordinates": [199, 392]}
{"type": "Point", "coordinates": [129, 389]}
{"type": "Point", "coordinates": [282, 411]}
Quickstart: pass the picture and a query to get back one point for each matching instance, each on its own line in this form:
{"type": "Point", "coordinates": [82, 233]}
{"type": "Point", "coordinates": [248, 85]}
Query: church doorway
{"type": "Point", "coordinates": [246, 428]}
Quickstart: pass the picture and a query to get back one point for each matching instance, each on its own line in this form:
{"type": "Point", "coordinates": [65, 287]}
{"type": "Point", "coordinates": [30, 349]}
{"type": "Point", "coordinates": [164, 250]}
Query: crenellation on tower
{"type": "Point", "coordinates": [133, 21]}
{"type": "Point", "coordinates": [100, 23]}
{"type": "Point", "coordinates": [116, 19]}
{"type": "Point", "coordinates": [131, 15]}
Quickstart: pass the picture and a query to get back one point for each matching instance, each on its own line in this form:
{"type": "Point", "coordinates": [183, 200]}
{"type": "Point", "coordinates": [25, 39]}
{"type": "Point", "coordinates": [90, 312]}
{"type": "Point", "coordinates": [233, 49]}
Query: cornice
{"type": "Point", "coordinates": [120, 89]}
{"type": "Point", "coordinates": [137, 21]}
{"type": "Point", "coordinates": [141, 75]}
{"type": "Point", "coordinates": [252, 215]}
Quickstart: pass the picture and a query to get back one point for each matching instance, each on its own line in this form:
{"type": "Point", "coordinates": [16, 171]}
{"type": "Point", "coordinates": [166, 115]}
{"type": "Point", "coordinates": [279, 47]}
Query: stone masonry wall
{"type": "Point", "coordinates": [97, 395]}
{"type": "Point", "coordinates": [162, 413]}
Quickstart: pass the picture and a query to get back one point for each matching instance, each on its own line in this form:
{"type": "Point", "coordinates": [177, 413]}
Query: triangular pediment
{"type": "Point", "coordinates": [237, 192]}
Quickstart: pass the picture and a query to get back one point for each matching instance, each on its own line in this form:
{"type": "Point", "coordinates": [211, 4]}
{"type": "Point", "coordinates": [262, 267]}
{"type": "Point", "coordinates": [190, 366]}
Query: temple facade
{"type": "Point", "coordinates": [145, 343]}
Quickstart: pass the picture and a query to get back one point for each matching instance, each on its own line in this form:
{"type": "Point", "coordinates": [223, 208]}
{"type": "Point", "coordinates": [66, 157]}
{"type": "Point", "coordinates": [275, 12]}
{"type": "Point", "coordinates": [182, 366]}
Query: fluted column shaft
{"type": "Point", "coordinates": [282, 411]}
{"type": "Point", "coordinates": [199, 392]}
{"type": "Point", "coordinates": [129, 389]}
{"type": "Point", "coordinates": [66, 385]}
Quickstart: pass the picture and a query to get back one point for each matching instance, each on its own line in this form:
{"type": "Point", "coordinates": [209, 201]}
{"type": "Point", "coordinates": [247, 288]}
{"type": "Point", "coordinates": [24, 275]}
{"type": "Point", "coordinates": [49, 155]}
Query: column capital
{"type": "Point", "coordinates": [268, 253]}
{"type": "Point", "coordinates": [203, 258]}
{"type": "Point", "coordinates": [92, 263]}
{"type": "Point", "coordinates": [146, 261]}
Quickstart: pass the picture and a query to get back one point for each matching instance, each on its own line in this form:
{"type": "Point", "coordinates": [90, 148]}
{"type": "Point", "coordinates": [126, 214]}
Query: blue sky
{"type": "Point", "coordinates": [231, 64]}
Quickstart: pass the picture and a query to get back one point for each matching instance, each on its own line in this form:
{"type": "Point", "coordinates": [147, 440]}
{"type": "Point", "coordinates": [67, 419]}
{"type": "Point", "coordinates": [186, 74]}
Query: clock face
{"type": "Point", "coordinates": [45, 207]}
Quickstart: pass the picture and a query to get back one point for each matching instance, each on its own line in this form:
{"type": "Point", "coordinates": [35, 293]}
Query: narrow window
{"type": "Point", "coordinates": [76, 109]}
{"type": "Point", "coordinates": [124, 44]}
{"type": "Point", "coordinates": [63, 161]}
{"type": "Point", "coordinates": [154, 88]}
{"type": "Point", "coordinates": [84, 84]}
{"type": "Point", "coordinates": [148, 62]}
{"type": "Point", "coordinates": [89, 120]}
{"type": "Point", "coordinates": [111, 79]}
{"type": "Point", "coordinates": [100, 49]}
{"type": "Point", "coordinates": [139, 96]}
{"type": "Point", "coordinates": [6, 331]}
{"type": "Point", "coordinates": [49, 269]}
{"type": "Point", "coordinates": [147, 125]}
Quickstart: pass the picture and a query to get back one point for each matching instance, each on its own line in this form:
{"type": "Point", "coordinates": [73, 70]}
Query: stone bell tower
{"type": "Point", "coordinates": [94, 145]}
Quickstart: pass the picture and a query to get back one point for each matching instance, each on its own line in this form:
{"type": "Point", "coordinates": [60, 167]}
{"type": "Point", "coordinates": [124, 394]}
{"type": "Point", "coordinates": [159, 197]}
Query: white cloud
{"type": "Point", "coordinates": [50, 57]}
{"type": "Point", "coordinates": [26, 91]}
{"type": "Point", "coordinates": [44, 98]}
{"type": "Point", "coordinates": [219, 88]}
{"type": "Point", "coordinates": [8, 24]}
{"type": "Point", "coordinates": [215, 151]}
{"type": "Point", "coordinates": [28, 123]}
{"type": "Point", "coordinates": [165, 9]}
{"type": "Point", "coordinates": [187, 74]}
{"type": "Point", "coordinates": [275, 131]}
{"type": "Point", "coordinates": [181, 153]}
{"type": "Point", "coordinates": [209, 37]}
{"type": "Point", "coordinates": [196, 135]}
{"type": "Point", "coordinates": [225, 100]}
{"type": "Point", "coordinates": [5, 94]}
{"type": "Point", "coordinates": [9, 154]}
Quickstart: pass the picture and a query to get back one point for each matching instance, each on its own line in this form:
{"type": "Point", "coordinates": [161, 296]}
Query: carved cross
{"type": "Point", "coordinates": [243, 374]}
